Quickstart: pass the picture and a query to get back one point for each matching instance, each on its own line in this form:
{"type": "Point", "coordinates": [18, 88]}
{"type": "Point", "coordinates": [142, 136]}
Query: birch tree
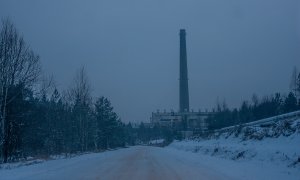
{"type": "Point", "coordinates": [80, 96]}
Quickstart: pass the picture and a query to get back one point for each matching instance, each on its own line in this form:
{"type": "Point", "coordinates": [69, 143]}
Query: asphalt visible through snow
{"type": "Point", "coordinates": [134, 163]}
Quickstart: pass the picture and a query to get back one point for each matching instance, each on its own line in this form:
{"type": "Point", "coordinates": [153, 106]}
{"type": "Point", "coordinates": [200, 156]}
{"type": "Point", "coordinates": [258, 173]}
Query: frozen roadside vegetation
{"type": "Point", "coordinates": [37, 160]}
{"type": "Point", "coordinates": [273, 145]}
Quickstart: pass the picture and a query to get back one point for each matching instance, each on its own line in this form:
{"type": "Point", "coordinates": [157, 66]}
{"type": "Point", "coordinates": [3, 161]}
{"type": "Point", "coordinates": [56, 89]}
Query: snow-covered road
{"type": "Point", "coordinates": [145, 162]}
{"type": "Point", "coordinates": [133, 163]}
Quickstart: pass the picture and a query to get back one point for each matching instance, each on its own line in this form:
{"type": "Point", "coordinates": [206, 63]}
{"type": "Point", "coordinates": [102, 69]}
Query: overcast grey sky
{"type": "Point", "coordinates": [131, 48]}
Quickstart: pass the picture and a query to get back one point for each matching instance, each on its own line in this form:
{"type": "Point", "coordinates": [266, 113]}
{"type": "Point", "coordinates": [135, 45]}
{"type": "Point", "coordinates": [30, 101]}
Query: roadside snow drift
{"type": "Point", "coordinates": [275, 149]}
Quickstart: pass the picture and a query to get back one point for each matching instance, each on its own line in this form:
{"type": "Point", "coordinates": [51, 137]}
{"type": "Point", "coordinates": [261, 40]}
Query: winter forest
{"type": "Point", "coordinates": [39, 120]}
{"type": "Point", "coordinates": [149, 90]}
{"type": "Point", "coordinates": [258, 108]}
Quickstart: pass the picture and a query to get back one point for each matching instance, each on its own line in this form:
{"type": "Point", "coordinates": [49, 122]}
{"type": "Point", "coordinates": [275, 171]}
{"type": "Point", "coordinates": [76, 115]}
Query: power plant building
{"type": "Point", "coordinates": [184, 119]}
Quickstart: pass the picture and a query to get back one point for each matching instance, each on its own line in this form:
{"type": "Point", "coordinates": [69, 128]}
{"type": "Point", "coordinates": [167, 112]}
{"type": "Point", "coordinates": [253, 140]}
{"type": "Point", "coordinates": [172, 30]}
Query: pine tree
{"type": "Point", "coordinates": [290, 103]}
{"type": "Point", "coordinates": [107, 122]}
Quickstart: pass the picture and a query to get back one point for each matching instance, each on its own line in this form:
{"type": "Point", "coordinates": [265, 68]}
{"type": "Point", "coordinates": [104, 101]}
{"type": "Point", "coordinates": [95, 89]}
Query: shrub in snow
{"type": "Point", "coordinates": [239, 155]}
{"type": "Point", "coordinates": [283, 128]}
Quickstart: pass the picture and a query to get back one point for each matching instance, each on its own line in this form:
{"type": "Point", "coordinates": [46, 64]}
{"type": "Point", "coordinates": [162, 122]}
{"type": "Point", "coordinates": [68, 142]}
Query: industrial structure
{"type": "Point", "coordinates": [184, 119]}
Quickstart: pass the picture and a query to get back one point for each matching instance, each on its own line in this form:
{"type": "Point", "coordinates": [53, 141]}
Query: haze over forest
{"type": "Point", "coordinates": [131, 48]}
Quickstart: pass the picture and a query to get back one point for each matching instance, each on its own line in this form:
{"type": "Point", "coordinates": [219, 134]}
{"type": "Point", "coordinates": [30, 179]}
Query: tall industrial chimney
{"type": "Point", "coordinates": [183, 80]}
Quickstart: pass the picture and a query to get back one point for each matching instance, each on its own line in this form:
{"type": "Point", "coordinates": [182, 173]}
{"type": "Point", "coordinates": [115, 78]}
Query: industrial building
{"type": "Point", "coordinates": [184, 119]}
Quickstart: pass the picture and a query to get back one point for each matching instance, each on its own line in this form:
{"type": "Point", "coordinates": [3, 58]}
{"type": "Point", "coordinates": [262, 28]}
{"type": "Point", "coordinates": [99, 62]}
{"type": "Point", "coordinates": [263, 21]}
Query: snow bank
{"type": "Point", "coordinates": [272, 146]}
{"type": "Point", "coordinates": [279, 143]}
{"type": "Point", "coordinates": [36, 160]}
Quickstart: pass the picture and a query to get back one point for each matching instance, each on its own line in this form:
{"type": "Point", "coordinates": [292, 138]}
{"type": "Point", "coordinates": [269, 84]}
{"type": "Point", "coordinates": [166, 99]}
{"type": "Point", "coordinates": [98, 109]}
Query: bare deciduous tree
{"type": "Point", "coordinates": [81, 89]}
{"type": "Point", "coordinates": [18, 65]}
{"type": "Point", "coordinates": [80, 96]}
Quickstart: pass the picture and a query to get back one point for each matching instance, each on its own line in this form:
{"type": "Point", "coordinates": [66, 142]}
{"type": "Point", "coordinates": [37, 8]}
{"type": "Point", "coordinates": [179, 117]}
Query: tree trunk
{"type": "Point", "coordinates": [5, 133]}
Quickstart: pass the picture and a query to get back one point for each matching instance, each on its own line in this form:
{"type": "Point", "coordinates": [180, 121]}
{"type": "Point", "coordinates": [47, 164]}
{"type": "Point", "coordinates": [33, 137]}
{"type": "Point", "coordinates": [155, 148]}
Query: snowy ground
{"type": "Point", "coordinates": [252, 152]}
{"type": "Point", "coordinates": [271, 152]}
{"type": "Point", "coordinates": [145, 162]}
{"type": "Point", "coordinates": [281, 151]}
{"type": "Point", "coordinates": [245, 160]}
{"type": "Point", "coordinates": [135, 163]}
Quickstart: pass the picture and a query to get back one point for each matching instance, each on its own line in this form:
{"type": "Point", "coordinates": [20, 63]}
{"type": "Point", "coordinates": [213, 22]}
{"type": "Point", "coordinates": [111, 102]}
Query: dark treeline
{"type": "Point", "coordinates": [257, 108]}
{"type": "Point", "coordinates": [45, 126]}
{"type": "Point", "coordinates": [38, 120]}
